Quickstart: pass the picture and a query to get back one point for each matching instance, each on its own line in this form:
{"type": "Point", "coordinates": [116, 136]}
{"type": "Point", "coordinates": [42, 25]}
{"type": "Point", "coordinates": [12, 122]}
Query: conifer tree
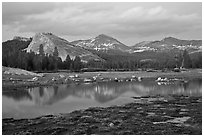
{"type": "Point", "coordinates": [187, 63]}
{"type": "Point", "coordinates": [41, 50]}
{"type": "Point", "coordinates": [55, 53]}
{"type": "Point", "coordinates": [67, 62]}
{"type": "Point", "coordinates": [77, 65]}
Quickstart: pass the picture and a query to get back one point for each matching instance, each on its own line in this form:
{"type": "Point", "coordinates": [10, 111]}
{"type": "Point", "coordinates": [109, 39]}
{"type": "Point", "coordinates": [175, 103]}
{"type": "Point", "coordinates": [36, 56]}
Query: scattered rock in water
{"type": "Point", "coordinates": [139, 78]}
{"type": "Point", "coordinates": [159, 79]}
{"type": "Point", "coordinates": [111, 124]}
{"type": "Point", "coordinates": [133, 76]}
{"type": "Point", "coordinates": [116, 79]}
{"type": "Point", "coordinates": [61, 76]}
{"type": "Point", "coordinates": [71, 76]}
{"type": "Point", "coordinates": [94, 77]}
{"type": "Point", "coordinates": [54, 79]}
{"type": "Point", "coordinates": [86, 80]}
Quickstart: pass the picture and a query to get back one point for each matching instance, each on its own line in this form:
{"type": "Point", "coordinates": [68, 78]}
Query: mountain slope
{"type": "Point", "coordinates": [14, 45]}
{"type": "Point", "coordinates": [167, 44]}
{"type": "Point", "coordinates": [102, 43]}
{"type": "Point", "coordinates": [50, 41]}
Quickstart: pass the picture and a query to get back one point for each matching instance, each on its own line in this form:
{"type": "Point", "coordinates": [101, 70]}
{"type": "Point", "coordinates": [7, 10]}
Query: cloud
{"type": "Point", "coordinates": [79, 19]}
{"type": "Point", "coordinates": [16, 11]}
{"type": "Point", "coordinates": [156, 11]}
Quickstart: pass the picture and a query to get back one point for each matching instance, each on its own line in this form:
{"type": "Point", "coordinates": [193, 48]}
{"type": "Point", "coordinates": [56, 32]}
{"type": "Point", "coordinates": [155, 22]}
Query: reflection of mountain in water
{"type": "Point", "coordinates": [104, 92]}
{"type": "Point", "coordinates": [41, 95]}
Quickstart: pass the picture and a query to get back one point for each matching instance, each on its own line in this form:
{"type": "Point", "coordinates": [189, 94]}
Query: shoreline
{"type": "Point", "coordinates": [10, 82]}
{"type": "Point", "coordinates": [150, 115]}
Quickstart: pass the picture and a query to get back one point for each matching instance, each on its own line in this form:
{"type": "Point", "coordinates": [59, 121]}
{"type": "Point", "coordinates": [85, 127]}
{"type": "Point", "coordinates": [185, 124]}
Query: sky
{"type": "Point", "coordinates": [130, 22]}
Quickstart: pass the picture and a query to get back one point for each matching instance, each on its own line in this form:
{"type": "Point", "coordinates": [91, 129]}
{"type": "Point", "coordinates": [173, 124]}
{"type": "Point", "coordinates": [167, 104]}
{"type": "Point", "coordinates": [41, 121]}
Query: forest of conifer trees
{"type": "Point", "coordinates": [14, 56]}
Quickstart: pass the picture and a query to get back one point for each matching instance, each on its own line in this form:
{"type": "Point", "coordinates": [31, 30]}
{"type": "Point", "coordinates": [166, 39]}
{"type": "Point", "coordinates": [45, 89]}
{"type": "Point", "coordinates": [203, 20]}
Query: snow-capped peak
{"type": "Point", "coordinates": [102, 42]}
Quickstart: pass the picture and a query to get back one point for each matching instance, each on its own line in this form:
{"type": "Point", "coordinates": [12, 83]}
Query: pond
{"type": "Point", "coordinates": [34, 102]}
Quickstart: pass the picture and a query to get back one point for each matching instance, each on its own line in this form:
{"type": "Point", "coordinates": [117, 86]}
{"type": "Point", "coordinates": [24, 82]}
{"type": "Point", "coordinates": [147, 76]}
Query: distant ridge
{"type": "Point", "coordinates": [103, 42]}
{"type": "Point", "coordinates": [168, 43]}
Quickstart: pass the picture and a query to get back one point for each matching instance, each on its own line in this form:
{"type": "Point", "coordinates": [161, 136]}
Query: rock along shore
{"type": "Point", "coordinates": [11, 82]}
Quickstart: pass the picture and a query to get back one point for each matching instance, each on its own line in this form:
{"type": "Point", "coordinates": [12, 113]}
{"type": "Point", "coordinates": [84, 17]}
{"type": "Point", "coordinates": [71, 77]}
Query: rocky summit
{"type": "Point", "coordinates": [102, 43]}
{"type": "Point", "coordinates": [50, 41]}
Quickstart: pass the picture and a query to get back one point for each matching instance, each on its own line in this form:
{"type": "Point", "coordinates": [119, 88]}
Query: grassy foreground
{"type": "Point", "coordinates": [173, 115]}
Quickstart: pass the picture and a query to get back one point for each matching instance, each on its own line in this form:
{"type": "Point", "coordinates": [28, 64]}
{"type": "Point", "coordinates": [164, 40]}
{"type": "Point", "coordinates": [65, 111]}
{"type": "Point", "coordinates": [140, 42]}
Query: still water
{"type": "Point", "coordinates": [34, 102]}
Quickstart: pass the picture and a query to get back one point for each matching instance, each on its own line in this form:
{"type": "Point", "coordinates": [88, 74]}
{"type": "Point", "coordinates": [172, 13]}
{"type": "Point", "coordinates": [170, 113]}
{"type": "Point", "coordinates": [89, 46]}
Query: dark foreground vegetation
{"type": "Point", "coordinates": [172, 115]}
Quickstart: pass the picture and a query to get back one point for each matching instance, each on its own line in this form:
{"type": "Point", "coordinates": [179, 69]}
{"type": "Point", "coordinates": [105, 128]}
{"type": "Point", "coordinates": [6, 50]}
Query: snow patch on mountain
{"type": "Point", "coordinates": [102, 42]}
{"type": "Point", "coordinates": [168, 43]}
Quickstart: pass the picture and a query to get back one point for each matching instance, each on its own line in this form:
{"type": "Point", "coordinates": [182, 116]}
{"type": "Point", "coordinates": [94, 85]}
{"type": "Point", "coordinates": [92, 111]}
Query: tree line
{"type": "Point", "coordinates": [145, 60]}
{"type": "Point", "coordinates": [14, 56]}
{"type": "Point", "coordinates": [44, 62]}
{"type": "Point", "coordinates": [41, 62]}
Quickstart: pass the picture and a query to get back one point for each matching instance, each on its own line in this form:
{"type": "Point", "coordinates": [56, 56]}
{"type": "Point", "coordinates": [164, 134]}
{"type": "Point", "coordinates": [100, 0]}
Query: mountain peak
{"type": "Point", "coordinates": [102, 43]}
{"type": "Point", "coordinates": [50, 41]}
{"type": "Point", "coordinates": [169, 39]}
{"type": "Point", "coordinates": [103, 36]}
{"type": "Point", "coordinates": [44, 33]}
{"type": "Point", "coordinates": [40, 34]}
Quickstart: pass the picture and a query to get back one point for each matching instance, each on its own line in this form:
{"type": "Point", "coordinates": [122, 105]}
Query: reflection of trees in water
{"type": "Point", "coordinates": [104, 92]}
{"type": "Point", "coordinates": [41, 95]}
{"type": "Point", "coordinates": [107, 91]}
{"type": "Point", "coordinates": [18, 95]}
{"type": "Point", "coordinates": [101, 92]}
{"type": "Point", "coordinates": [193, 87]}
{"type": "Point", "coordinates": [55, 89]}
{"type": "Point", "coordinates": [41, 91]}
